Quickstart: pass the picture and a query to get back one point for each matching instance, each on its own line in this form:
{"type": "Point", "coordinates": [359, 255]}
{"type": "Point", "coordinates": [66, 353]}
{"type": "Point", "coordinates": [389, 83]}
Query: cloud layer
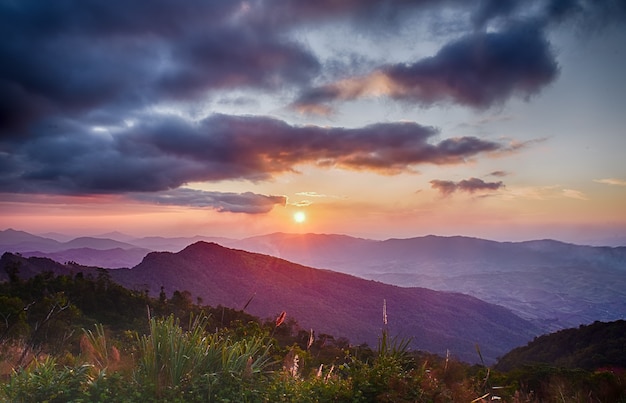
{"type": "Point", "coordinates": [478, 70]}
{"type": "Point", "coordinates": [166, 152]}
{"type": "Point", "coordinates": [249, 203]}
{"type": "Point", "coordinates": [84, 86]}
{"type": "Point", "coordinates": [471, 185]}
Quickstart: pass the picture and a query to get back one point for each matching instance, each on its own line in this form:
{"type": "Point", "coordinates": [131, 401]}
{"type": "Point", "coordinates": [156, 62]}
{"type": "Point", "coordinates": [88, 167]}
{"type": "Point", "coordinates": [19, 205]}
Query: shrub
{"type": "Point", "coordinates": [43, 381]}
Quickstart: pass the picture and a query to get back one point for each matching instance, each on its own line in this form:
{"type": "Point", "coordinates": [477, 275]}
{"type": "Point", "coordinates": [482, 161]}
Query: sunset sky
{"type": "Point", "coordinates": [500, 119]}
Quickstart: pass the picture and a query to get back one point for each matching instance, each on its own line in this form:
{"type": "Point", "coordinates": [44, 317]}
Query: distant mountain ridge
{"type": "Point", "coordinates": [122, 252]}
{"type": "Point", "coordinates": [310, 246]}
{"type": "Point", "coordinates": [554, 284]}
{"type": "Point", "coordinates": [116, 257]}
{"type": "Point", "coordinates": [326, 301]}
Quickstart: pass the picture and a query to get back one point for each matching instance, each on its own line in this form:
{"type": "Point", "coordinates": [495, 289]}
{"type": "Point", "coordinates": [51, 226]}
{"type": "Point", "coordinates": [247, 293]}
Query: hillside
{"type": "Point", "coordinates": [326, 301]}
{"type": "Point", "coordinates": [589, 347]}
{"type": "Point", "coordinates": [85, 327]}
{"type": "Point", "coordinates": [553, 284]}
{"type": "Point", "coordinates": [114, 258]}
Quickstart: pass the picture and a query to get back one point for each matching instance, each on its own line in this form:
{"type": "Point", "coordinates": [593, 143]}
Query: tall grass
{"type": "Point", "coordinates": [44, 381]}
{"type": "Point", "coordinates": [95, 348]}
{"type": "Point", "coordinates": [170, 356]}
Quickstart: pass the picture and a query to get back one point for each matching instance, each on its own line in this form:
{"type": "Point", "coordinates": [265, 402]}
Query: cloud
{"type": "Point", "coordinates": [69, 67]}
{"type": "Point", "coordinates": [87, 60]}
{"type": "Point", "coordinates": [311, 194]}
{"type": "Point", "coordinates": [611, 181]}
{"type": "Point", "coordinates": [316, 194]}
{"type": "Point", "coordinates": [499, 174]}
{"type": "Point", "coordinates": [366, 13]}
{"type": "Point", "coordinates": [302, 203]}
{"type": "Point", "coordinates": [586, 13]}
{"type": "Point", "coordinates": [550, 192]}
{"type": "Point", "coordinates": [163, 152]}
{"type": "Point", "coordinates": [574, 194]}
{"type": "Point", "coordinates": [249, 203]}
{"type": "Point", "coordinates": [444, 187]}
{"type": "Point", "coordinates": [470, 185]}
{"type": "Point", "coordinates": [479, 70]}
{"type": "Point", "coordinates": [76, 60]}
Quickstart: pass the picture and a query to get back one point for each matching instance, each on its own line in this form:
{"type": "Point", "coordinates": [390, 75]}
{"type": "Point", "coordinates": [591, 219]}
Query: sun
{"type": "Point", "coordinates": [299, 217]}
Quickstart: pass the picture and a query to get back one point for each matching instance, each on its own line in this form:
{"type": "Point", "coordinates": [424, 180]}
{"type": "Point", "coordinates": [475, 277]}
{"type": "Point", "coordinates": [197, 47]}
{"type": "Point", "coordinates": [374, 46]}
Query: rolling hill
{"type": "Point", "coordinates": [326, 301]}
{"type": "Point", "coordinates": [589, 347]}
{"type": "Point", "coordinates": [553, 284]}
{"type": "Point", "coordinates": [112, 250]}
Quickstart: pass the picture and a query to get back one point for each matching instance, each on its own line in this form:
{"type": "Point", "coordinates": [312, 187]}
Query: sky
{"type": "Point", "coordinates": [499, 119]}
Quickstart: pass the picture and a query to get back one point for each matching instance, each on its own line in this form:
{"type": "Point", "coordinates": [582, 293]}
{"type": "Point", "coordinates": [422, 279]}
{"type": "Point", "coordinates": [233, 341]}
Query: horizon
{"type": "Point", "coordinates": [372, 119]}
{"type": "Point", "coordinates": [118, 235]}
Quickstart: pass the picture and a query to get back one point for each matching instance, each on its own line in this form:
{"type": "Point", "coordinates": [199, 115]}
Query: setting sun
{"type": "Point", "coordinates": [299, 217]}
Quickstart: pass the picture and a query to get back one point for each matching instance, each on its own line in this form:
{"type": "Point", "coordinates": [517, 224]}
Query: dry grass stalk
{"type": "Point", "coordinates": [247, 373]}
{"type": "Point", "coordinates": [481, 399]}
{"type": "Point", "coordinates": [311, 339]}
{"type": "Point", "coordinates": [94, 347]}
{"type": "Point", "coordinates": [385, 312]}
{"type": "Point", "coordinates": [290, 363]}
{"type": "Point", "coordinates": [327, 377]}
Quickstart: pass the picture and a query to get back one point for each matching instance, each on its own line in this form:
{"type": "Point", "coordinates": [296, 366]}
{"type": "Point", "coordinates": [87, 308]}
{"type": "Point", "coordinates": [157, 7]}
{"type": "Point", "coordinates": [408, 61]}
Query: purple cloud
{"type": "Point", "coordinates": [73, 60]}
{"type": "Point", "coordinates": [248, 203]}
{"type": "Point", "coordinates": [470, 185]}
{"type": "Point", "coordinates": [69, 67]}
{"type": "Point", "coordinates": [84, 60]}
{"type": "Point", "coordinates": [479, 70]}
{"type": "Point", "coordinates": [166, 152]}
{"type": "Point", "coordinates": [499, 174]}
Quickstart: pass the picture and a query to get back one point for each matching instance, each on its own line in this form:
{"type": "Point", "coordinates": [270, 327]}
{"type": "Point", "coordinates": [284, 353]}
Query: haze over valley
{"type": "Point", "coordinates": [544, 285]}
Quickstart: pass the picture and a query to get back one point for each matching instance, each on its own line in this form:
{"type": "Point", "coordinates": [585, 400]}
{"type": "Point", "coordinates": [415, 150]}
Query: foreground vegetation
{"type": "Point", "coordinates": [84, 338]}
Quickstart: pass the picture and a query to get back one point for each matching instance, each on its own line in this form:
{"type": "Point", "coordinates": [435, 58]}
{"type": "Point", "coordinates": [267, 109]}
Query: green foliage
{"type": "Point", "coordinates": [589, 347]}
{"type": "Point", "coordinates": [284, 388]}
{"type": "Point", "coordinates": [43, 381]}
{"type": "Point", "coordinates": [547, 383]}
{"type": "Point", "coordinates": [12, 318]}
{"type": "Point", "coordinates": [171, 357]}
{"type": "Point", "coordinates": [184, 352]}
{"type": "Point", "coordinates": [96, 346]}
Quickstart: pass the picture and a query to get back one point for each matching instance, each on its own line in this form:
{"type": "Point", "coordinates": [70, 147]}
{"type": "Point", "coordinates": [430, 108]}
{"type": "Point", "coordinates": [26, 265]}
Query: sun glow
{"type": "Point", "coordinates": [299, 217]}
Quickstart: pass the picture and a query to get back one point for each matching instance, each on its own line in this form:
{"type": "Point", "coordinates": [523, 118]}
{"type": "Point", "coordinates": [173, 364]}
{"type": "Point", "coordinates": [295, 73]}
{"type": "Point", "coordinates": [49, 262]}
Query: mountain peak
{"type": "Point", "coordinates": [203, 246]}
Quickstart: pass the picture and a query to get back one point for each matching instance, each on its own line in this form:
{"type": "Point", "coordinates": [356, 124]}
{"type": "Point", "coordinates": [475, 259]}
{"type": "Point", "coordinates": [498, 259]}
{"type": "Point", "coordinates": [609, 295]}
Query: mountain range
{"type": "Point", "coordinates": [325, 301]}
{"type": "Point", "coordinates": [555, 285]}
{"type": "Point", "coordinates": [552, 284]}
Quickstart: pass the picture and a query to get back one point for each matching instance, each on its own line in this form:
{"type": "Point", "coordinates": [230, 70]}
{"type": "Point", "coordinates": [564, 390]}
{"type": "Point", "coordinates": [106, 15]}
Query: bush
{"type": "Point", "coordinates": [43, 381]}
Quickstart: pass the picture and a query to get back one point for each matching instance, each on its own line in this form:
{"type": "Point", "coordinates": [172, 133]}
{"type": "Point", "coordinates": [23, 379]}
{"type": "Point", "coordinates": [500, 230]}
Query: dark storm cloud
{"type": "Point", "coordinates": [249, 203]}
{"type": "Point", "coordinates": [363, 11]}
{"type": "Point", "coordinates": [76, 59]}
{"type": "Point", "coordinates": [479, 70]}
{"type": "Point", "coordinates": [165, 152]}
{"type": "Point", "coordinates": [470, 185]}
{"type": "Point", "coordinates": [389, 12]}
{"type": "Point", "coordinates": [547, 12]}
{"type": "Point", "coordinates": [72, 59]}
{"type": "Point", "coordinates": [235, 57]}
{"type": "Point", "coordinates": [70, 66]}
